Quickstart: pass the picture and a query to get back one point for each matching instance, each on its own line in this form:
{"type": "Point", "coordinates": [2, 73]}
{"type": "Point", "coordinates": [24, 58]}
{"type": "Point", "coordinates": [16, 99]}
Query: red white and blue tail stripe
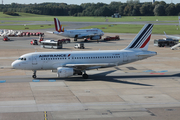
{"type": "Point", "coordinates": [58, 26]}
{"type": "Point", "coordinates": [141, 41]}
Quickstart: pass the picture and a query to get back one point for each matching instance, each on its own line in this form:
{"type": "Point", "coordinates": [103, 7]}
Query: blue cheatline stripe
{"type": "Point", "coordinates": [52, 80]}
{"type": "Point", "coordinates": [36, 80]}
{"type": "Point", "coordinates": [2, 81]}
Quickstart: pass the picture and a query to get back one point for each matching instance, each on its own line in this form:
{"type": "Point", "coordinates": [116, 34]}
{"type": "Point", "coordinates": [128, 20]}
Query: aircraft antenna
{"type": "Point", "coordinates": [2, 2]}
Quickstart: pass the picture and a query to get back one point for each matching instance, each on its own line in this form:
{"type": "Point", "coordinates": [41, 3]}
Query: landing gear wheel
{"type": "Point", "coordinates": [85, 76]}
{"type": "Point", "coordinates": [34, 76]}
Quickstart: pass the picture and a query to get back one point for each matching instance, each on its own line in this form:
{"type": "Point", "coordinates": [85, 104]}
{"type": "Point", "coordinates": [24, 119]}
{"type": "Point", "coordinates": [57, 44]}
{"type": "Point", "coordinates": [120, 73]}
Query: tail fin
{"type": "Point", "coordinates": [141, 41]}
{"type": "Point", "coordinates": [166, 34]}
{"type": "Point", "coordinates": [58, 26]}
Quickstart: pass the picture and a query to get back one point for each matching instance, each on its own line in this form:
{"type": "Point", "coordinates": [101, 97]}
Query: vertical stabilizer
{"type": "Point", "coordinates": [58, 26]}
{"type": "Point", "coordinates": [141, 41]}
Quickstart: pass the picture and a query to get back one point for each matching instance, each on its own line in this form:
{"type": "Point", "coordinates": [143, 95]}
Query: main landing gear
{"type": "Point", "coordinates": [34, 74]}
{"type": "Point", "coordinates": [85, 76]}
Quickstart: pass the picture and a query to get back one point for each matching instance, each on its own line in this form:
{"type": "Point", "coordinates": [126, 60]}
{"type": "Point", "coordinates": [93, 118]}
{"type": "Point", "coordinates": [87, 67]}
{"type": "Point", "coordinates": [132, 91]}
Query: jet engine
{"type": "Point", "coordinates": [96, 37]}
{"type": "Point", "coordinates": [64, 72]}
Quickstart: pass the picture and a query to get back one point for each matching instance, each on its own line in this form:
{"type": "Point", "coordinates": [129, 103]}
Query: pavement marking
{"type": "Point", "coordinates": [45, 115]}
{"type": "Point", "coordinates": [157, 73]}
{"type": "Point", "coordinates": [131, 68]}
{"type": "Point", "coordinates": [52, 80]}
{"type": "Point", "coordinates": [36, 80]}
{"type": "Point", "coordinates": [162, 71]}
{"type": "Point", "coordinates": [149, 71]}
{"type": "Point", "coordinates": [152, 71]}
{"type": "Point", "coordinates": [2, 81]}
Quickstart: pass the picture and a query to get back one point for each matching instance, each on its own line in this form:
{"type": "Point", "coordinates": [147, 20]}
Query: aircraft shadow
{"type": "Point", "coordinates": [115, 79]}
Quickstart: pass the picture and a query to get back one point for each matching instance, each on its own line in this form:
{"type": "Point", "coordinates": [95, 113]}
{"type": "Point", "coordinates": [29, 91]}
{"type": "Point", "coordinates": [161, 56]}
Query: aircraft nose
{"type": "Point", "coordinates": [14, 64]}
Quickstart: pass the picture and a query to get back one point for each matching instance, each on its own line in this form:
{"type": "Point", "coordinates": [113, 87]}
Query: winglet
{"type": "Point", "coordinates": [141, 41]}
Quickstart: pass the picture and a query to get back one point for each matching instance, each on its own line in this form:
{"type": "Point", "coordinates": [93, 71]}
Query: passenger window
{"type": "Point", "coordinates": [24, 58]}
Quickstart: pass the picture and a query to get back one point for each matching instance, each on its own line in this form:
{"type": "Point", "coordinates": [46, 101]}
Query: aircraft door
{"type": "Point", "coordinates": [34, 59]}
{"type": "Point", "coordinates": [125, 57]}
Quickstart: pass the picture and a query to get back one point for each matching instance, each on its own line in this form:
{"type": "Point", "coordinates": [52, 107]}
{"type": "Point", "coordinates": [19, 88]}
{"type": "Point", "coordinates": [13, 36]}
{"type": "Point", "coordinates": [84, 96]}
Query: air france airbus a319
{"type": "Point", "coordinates": [77, 62]}
{"type": "Point", "coordinates": [93, 33]}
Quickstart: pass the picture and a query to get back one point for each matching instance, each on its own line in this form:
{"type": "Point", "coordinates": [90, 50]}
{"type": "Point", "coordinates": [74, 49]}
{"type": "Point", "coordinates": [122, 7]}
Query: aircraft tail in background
{"type": "Point", "coordinates": [58, 26]}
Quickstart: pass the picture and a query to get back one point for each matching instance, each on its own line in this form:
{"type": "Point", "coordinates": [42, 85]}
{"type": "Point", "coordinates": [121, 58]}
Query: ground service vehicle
{"type": "Point", "coordinates": [112, 38]}
{"type": "Point", "coordinates": [34, 42]}
{"type": "Point", "coordinates": [168, 42]}
{"type": "Point", "coordinates": [51, 44]}
{"type": "Point", "coordinates": [5, 38]}
{"type": "Point", "coordinates": [79, 45]}
{"type": "Point", "coordinates": [65, 40]}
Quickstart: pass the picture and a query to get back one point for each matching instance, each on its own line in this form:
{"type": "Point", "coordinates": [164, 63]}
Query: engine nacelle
{"type": "Point", "coordinates": [96, 37]}
{"type": "Point", "coordinates": [64, 72]}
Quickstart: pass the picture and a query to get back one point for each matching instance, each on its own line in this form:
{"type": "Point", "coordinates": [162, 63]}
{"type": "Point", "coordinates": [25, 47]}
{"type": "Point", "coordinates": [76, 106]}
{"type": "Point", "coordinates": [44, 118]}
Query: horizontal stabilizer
{"type": "Point", "coordinates": [149, 53]}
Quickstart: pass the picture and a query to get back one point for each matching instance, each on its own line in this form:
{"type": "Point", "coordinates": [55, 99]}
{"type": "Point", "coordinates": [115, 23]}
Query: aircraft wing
{"type": "Point", "coordinates": [173, 37]}
{"type": "Point", "coordinates": [89, 66]}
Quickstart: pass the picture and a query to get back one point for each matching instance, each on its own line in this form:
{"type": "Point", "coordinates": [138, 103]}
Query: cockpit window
{"type": "Point", "coordinates": [21, 58]}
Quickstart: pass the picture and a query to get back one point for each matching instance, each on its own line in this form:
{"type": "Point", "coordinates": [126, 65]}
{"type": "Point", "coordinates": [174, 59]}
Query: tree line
{"type": "Point", "coordinates": [99, 9]}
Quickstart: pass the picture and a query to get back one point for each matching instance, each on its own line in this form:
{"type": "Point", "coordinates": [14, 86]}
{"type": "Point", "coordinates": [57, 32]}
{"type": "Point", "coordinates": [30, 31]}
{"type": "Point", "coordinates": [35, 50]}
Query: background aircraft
{"type": "Point", "coordinates": [77, 62]}
{"type": "Point", "coordinates": [172, 37]}
{"type": "Point", "coordinates": [93, 33]}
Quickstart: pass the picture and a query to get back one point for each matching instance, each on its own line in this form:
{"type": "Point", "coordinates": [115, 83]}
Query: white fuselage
{"type": "Point", "coordinates": [53, 60]}
{"type": "Point", "coordinates": [81, 33]}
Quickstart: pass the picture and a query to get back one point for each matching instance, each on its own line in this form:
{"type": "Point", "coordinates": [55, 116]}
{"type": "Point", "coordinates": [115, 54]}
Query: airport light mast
{"type": "Point", "coordinates": [153, 1]}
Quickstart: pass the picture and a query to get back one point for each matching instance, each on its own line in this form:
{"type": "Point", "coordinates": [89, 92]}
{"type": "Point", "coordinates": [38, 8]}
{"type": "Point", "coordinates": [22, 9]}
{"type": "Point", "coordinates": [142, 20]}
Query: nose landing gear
{"type": "Point", "coordinates": [34, 74]}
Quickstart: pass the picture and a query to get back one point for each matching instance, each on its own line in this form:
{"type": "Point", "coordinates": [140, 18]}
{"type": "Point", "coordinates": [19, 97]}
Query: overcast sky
{"type": "Point", "coordinates": [76, 2]}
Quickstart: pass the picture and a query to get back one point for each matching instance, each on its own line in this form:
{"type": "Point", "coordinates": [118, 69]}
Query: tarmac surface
{"type": "Point", "coordinates": [144, 90]}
